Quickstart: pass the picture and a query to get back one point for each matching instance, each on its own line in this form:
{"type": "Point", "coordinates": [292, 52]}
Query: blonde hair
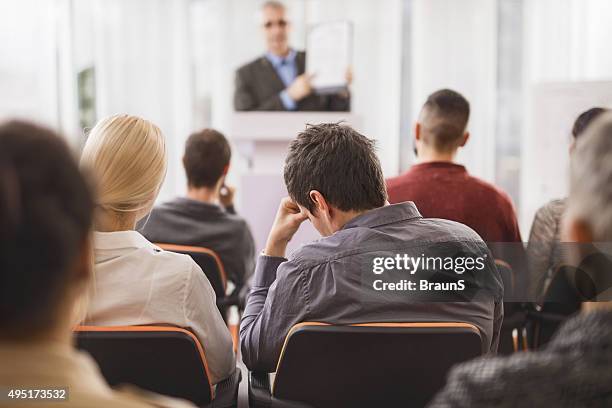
{"type": "Point", "coordinates": [127, 157]}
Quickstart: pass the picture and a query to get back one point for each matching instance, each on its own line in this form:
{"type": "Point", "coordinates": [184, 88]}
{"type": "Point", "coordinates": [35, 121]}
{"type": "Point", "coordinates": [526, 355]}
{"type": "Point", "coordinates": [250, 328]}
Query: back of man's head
{"type": "Point", "coordinates": [443, 120]}
{"type": "Point", "coordinates": [46, 211]}
{"type": "Point", "coordinates": [274, 4]}
{"type": "Point", "coordinates": [207, 156]}
{"type": "Point", "coordinates": [591, 179]}
{"type": "Point", "coordinates": [338, 162]}
{"type": "Point", "coordinates": [584, 120]}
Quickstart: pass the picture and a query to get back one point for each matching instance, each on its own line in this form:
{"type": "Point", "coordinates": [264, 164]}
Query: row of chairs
{"type": "Point", "coordinates": [321, 365]}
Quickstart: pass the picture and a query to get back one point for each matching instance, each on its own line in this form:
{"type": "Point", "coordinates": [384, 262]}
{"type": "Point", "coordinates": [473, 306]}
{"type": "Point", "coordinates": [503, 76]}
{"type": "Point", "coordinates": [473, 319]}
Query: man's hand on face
{"type": "Point", "coordinates": [300, 87]}
{"type": "Point", "coordinates": [226, 195]}
{"type": "Point", "coordinates": [288, 220]}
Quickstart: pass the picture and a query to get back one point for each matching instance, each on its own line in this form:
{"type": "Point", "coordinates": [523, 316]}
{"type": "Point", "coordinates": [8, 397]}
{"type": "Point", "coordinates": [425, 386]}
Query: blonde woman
{"type": "Point", "coordinates": [135, 282]}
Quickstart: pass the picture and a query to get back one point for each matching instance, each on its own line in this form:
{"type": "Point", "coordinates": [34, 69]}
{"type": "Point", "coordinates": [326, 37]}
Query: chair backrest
{"type": "Point", "coordinates": [208, 260]}
{"type": "Point", "coordinates": [166, 360]}
{"type": "Point", "coordinates": [560, 301]}
{"type": "Point", "coordinates": [561, 296]}
{"type": "Point", "coordinates": [507, 275]}
{"type": "Point", "coordinates": [514, 318]}
{"type": "Point", "coordinates": [368, 365]}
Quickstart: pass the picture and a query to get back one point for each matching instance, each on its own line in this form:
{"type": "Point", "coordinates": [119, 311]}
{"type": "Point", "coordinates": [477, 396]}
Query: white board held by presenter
{"type": "Point", "coordinates": [328, 55]}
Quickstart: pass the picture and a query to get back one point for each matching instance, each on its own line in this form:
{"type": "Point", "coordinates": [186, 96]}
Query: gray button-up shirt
{"type": "Point", "coordinates": [184, 221]}
{"type": "Point", "coordinates": [330, 280]}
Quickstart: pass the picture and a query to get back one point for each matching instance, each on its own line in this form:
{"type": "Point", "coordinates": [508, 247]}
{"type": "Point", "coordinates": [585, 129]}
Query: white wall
{"type": "Point", "coordinates": [567, 49]}
{"type": "Point", "coordinates": [454, 46]}
{"type": "Point", "coordinates": [376, 67]}
{"type": "Point", "coordinates": [28, 61]}
{"type": "Point", "coordinates": [140, 50]}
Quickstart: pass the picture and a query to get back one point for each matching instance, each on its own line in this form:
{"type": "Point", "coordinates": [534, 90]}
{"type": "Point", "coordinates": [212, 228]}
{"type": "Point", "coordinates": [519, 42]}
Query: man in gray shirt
{"type": "Point", "coordinates": [356, 273]}
{"type": "Point", "coordinates": [206, 217]}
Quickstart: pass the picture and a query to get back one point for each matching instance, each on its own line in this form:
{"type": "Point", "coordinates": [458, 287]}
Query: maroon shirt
{"type": "Point", "coordinates": [446, 190]}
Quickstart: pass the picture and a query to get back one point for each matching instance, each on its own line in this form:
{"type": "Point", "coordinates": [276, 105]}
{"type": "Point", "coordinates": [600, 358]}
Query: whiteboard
{"type": "Point", "coordinates": [551, 111]}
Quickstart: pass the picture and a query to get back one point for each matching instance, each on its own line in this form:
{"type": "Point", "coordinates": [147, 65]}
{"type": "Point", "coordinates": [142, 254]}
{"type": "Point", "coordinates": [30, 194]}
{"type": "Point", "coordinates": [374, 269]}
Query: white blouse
{"type": "Point", "coordinates": [137, 283]}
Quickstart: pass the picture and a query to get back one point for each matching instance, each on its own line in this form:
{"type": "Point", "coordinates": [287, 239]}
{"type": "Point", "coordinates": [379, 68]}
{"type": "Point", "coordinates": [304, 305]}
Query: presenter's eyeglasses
{"type": "Point", "coordinates": [280, 23]}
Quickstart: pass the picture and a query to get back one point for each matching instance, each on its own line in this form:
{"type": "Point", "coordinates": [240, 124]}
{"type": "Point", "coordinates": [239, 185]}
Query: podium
{"type": "Point", "coordinates": [263, 139]}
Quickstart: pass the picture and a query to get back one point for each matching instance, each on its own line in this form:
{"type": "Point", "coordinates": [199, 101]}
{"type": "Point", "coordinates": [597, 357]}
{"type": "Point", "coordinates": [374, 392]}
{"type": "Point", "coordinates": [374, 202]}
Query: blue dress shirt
{"type": "Point", "coordinates": [286, 68]}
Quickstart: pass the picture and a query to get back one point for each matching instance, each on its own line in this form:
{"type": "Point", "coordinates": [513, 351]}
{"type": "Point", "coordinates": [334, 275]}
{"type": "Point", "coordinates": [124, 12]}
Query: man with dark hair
{"type": "Point", "coordinates": [206, 217]}
{"type": "Point", "coordinates": [277, 81]}
{"type": "Point", "coordinates": [441, 188]}
{"type": "Point", "coordinates": [443, 122]}
{"type": "Point", "coordinates": [46, 211]}
{"type": "Point", "coordinates": [334, 180]}
{"type": "Point", "coordinates": [211, 145]}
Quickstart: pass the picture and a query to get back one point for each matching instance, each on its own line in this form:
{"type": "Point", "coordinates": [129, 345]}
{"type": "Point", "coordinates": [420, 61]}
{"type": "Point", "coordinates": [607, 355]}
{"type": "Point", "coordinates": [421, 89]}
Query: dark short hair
{"type": "Point", "coordinates": [207, 154]}
{"type": "Point", "coordinates": [340, 163]}
{"type": "Point", "coordinates": [448, 112]}
{"type": "Point", "coordinates": [584, 120]}
{"type": "Point", "coordinates": [46, 211]}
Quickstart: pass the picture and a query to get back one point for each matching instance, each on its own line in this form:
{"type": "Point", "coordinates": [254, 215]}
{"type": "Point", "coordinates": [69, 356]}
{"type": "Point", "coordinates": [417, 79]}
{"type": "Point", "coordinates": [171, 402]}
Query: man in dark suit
{"type": "Point", "coordinates": [277, 80]}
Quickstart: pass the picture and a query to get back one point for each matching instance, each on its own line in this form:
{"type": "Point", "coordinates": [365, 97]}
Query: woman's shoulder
{"type": "Point", "coordinates": [172, 262]}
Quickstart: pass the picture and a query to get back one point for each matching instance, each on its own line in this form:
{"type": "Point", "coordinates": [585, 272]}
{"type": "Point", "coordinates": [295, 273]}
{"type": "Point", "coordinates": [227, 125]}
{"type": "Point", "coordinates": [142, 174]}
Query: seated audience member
{"type": "Point", "coordinates": [46, 211]}
{"type": "Point", "coordinates": [573, 370]}
{"type": "Point", "coordinates": [441, 188]}
{"type": "Point", "coordinates": [135, 282]}
{"type": "Point", "coordinates": [334, 179]}
{"type": "Point", "coordinates": [543, 250]}
{"type": "Point", "coordinates": [206, 217]}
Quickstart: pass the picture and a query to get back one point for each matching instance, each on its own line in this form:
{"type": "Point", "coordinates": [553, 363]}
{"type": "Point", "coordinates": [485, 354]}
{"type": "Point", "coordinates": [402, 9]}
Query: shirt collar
{"type": "Point", "coordinates": [276, 60]}
{"type": "Point", "coordinates": [387, 214]}
{"type": "Point", "coordinates": [198, 205]}
{"type": "Point", "coordinates": [439, 165]}
{"type": "Point", "coordinates": [120, 240]}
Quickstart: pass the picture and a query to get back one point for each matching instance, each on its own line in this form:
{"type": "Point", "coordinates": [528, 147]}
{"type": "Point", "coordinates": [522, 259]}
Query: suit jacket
{"type": "Point", "coordinates": [258, 87]}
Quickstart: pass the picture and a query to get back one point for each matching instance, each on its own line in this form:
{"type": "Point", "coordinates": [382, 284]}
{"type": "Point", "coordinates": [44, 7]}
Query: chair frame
{"type": "Point", "coordinates": [538, 314]}
{"type": "Point", "coordinates": [261, 391]}
{"type": "Point", "coordinates": [226, 394]}
{"type": "Point", "coordinates": [228, 300]}
{"type": "Point", "coordinates": [201, 250]}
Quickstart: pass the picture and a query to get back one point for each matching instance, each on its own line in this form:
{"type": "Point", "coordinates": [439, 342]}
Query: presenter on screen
{"type": "Point", "coordinates": [277, 80]}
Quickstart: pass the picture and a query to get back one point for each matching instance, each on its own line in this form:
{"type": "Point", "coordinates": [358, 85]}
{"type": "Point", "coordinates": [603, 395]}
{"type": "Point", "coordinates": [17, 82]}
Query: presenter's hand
{"type": "Point", "coordinates": [288, 220]}
{"type": "Point", "coordinates": [300, 87]}
{"type": "Point", "coordinates": [226, 195]}
{"type": "Point", "coordinates": [349, 76]}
